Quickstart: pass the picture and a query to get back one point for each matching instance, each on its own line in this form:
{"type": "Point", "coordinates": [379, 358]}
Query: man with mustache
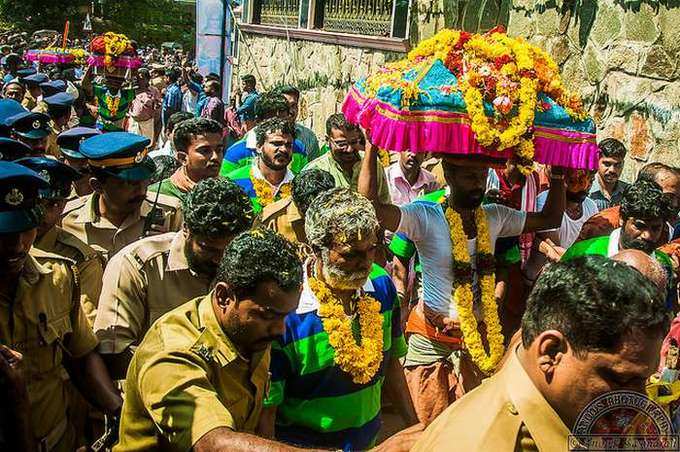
{"type": "Point", "coordinates": [549, 246]}
{"type": "Point", "coordinates": [644, 209]}
{"type": "Point", "coordinates": [437, 370]}
{"type": "Point", "coordinates": [268, 178]}
{"type": "Point", "coordinates": [197, 380]}
{"type": "Point", "coordinates": [199, 146]}
{"type": "Point", "coordinates": [119, 211]}
{"type": "Point", "coordinates": [41, 317]}
{"type": "Point", "coordinates": [317, 398]}
{"type": "Point", "coordinates": [69, 147]}
{"type": "Point", "coordinates": [607, 189]}
{"type": "Point", "coordinates": [154, 275]}
{"type": "Point", "coordinates": [31, 129]}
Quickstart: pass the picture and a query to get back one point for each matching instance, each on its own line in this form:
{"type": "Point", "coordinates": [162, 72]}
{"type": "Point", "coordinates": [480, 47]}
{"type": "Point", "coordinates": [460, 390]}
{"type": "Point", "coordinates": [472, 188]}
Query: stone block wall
{"type": "Point", "coordinates": [622, 55]}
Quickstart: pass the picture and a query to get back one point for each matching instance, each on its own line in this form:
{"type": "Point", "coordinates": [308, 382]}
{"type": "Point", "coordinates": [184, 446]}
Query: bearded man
{"type": "Point", "coordinates": [344, 341]}
{"type": "Point", "coordinates": [155, 275]}
{"type": "Point", "coordinates": [457, 234]}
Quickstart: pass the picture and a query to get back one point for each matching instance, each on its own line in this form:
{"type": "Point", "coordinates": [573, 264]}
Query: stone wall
{"type": "Point", "coordinates": [622, 55]}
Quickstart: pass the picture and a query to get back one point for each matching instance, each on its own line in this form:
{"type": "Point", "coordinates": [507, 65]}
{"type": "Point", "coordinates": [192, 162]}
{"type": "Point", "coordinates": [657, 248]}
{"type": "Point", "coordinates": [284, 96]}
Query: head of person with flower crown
{"type": "Point", "coordinates": [342, 229]}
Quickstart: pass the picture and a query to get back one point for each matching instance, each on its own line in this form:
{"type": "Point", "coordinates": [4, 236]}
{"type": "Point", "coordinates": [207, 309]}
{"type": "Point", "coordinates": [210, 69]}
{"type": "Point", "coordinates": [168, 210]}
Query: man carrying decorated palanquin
{"type": "Point", "coordinates": [456, 241]}
{"type": "Point", "coordinates": [344, 341]}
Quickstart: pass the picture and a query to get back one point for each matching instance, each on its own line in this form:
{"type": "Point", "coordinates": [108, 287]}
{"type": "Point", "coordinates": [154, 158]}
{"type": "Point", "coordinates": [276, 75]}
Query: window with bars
{"type": "Point", "coordinates": [380, 18]}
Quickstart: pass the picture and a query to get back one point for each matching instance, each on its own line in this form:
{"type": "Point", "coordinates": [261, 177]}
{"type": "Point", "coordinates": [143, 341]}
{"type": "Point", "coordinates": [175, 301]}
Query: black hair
{"type": "Point", "coordinates": [217, 207]}
{"type": "Point", "coordinates": [248, 78]}
{"type": "Point", "coordinates": [651, 171]}
{"type": "Point", "coordinates": [173, 74]}
{"type": "Point", "coordinates": [187, 130]}
{"type": "Point", "coordinates": [594, 302]}
{"type": "Point", "coordinates": [166, 165]}
{"type": "Point", "coordinates": [58, 112]}
{"type": "Point", "coordinates": [289, 90]}
{"type": "Point", "coordinates": [176, 118]}
{"type": "Point", "coordinates": [257, 256]}
{"type": "Point", "coordinates": [309, 184]}
{"type": "Point", "coordinates": [644, 200]}
{"type": "Point", "coordinates": [212, 76]}
{"type": "Point", "coordinates": [269, 104]}
{"type": "Point", "coordinates": [338, 121]}
{"type": "Point", "coordinates": [612, 148]}
{"type": "Point", "coordinates": [273, 125]}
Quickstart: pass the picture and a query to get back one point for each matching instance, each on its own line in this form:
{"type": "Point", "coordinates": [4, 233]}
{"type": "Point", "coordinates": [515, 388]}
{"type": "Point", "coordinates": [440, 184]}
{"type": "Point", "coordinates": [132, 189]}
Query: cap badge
{"type": "Point", "coordinates": [36, 124]}
{"type": "Point", "coordinates": [45, 175]}
{"type": "Point", "coordinates": [139, 157]}
{"type": "Point", "coordinates": [14, 197]}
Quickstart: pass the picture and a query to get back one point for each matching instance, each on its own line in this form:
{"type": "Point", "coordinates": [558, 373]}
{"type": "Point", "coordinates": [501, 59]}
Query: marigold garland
{"type": "Point", "coordinates": [463, 296]}
{"type": "Point", "coordinates": [360, 360]}
{"type": "Point", "coordinates": [112, 103]}
{"type": "Point", "coordinates": [384, 157]}
{"type": "Point", "coordinates": [500, 79]}
{"type": "Point", "coordinates": [264, 193]}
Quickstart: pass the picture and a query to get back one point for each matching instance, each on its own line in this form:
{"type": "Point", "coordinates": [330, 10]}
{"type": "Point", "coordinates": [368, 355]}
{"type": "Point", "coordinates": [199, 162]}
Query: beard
{"type": "Point", "coordinates": [340, 279]}
{"type": "Point", "coordinates": [577, 197]}
{"type": "Point", "coordinates": [637, 244]}
{"type": "Point", "coordinates": [468, 200]}
{"type": "Point", "coordinates": [198, 265]}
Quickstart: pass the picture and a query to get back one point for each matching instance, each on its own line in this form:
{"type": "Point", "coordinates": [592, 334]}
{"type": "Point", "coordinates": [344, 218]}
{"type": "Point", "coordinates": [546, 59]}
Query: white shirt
{"type": "Point", "coordinates": [570, 228]}
{"type": "Point", "coordinates": [426, 225]}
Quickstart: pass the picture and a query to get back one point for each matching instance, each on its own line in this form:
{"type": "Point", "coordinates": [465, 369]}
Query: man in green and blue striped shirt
{"type": "Point", "coordinates": [312, 401]}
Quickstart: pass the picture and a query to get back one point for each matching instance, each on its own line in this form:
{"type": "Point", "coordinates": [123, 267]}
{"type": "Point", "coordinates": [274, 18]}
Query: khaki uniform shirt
{"type": "Point", "coordinates": [89, 263]}
{"type": "Point", "coordinates": [145, 280]}
{"type": "Point", "coordinates": [327, 163]}
{"type": "Point", "coordinates": [506, 413]}
{"type": "Point", "coordinates": [45, 322]}
{"type": "Point", "coordinates": [284, 218]}
{"type": "Point", "coordinates": [185, 379]}
{"type": "Point", "coordinates": [81, 218]}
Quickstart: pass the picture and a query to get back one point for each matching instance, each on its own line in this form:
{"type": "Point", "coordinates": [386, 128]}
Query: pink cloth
{"type": "Point", "coordinates": [402, 192]}
{"type": "Point", "coordinates": [145, 104]}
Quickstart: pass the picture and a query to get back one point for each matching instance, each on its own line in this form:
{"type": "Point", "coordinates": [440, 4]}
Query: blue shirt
{"type": "Point", "coordinates": [247, 110]}
{"type": "Point", "coordinates": [172, 102]}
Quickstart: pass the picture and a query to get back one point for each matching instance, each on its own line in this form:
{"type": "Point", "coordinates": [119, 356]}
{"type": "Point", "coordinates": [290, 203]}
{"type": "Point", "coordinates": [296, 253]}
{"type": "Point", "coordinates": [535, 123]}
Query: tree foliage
{"type": "Point", "coordinates": [147, 21]}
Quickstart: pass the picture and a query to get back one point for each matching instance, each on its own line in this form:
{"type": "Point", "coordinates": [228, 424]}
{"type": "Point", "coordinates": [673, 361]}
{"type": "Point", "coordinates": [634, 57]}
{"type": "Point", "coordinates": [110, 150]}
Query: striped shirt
{"type": "Point", "coordinates": [318, 404]}
{"type": "Point", "coordinates": [241, 177]}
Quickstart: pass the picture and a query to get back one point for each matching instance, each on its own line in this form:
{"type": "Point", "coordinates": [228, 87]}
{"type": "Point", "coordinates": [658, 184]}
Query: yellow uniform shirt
{"type": "Point", "coordinates": [186, 379]}
{"type": "Point", "coordinates": [145, 280]}
{"type": "Point", "coordinates": [81, 218]}
{"type": "Point", "coordinates": [327, 163]}
{"type": "Point", "coordinates": [45, 322]}
{"type": "Point", "coordinates": [284, 218]}
{"type": "Point", "coordinates": [505, 413]}
{"type": "Point", "coordinates": [89, 263]}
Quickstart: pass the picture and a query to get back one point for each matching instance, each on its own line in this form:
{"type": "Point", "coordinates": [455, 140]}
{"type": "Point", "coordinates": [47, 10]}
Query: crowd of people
{"type": "Point", "coordinates": [183, 274]}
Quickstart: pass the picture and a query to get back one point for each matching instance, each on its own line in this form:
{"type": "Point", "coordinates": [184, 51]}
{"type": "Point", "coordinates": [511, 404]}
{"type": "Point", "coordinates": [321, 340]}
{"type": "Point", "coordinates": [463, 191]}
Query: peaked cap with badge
{"type": "Point", "coordinates": [69, 141]}
{"type": "Point", "coordinates": [19, 209]}
{"type": "Point", "coordinates": [119, 154]}
{"type": "Point", "coordinates": [59, 176]}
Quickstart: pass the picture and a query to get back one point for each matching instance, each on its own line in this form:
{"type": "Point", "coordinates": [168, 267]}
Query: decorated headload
{"type": "Point", "coordinates": [113, 51]}
{"type": "Point", "coordinates": [54, 55]}
{"type": "Point", "coordinates": [485, 95]}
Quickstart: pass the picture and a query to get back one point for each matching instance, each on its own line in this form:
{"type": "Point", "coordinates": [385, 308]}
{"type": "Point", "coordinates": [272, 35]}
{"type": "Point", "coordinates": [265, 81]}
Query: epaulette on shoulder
{"type": "Point", "coordinates": [75, 204]}
{"type": "Point", "coordinates": [146, 249]}
{"type": "Point", "coordinates": [70, 240]}
{"type": "Point", "coordinates": [47, 256]}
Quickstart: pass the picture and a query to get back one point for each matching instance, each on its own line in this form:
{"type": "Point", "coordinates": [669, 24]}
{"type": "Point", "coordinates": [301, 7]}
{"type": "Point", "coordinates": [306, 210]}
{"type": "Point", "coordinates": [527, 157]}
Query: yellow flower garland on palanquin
{"type": "Point", "coordinates": [464, 299]}
{"type": "Point", "coordinates": [361, 361]}
{"type": "Point", "coordinates": [264, 193]}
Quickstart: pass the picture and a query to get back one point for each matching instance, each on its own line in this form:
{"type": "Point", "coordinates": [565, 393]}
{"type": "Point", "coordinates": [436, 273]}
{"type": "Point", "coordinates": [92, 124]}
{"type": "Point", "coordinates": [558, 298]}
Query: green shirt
{"type": "Point", "coordinates": [168, 188]}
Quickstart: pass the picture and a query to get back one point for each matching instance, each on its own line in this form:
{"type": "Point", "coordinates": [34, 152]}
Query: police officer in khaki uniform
{"type": "Point", "coordinates": [120, 211]}
{"type": "Point", "coordinates": [197, 380]}
{"type": "Point", "coordinates": [41, 317]}
{"type": "Point", "coordinates": [287, 215]}
{"type": "Point", "coordinates": [53, 239]}
{"type": "Point", "coordinates": [58, 107]}
{"type": "Point", "coordinates": [579, 341]}
{"type": "Point", "coordinates": [154, 275]}
{"type": "Point", "coordinates": [69, 147]}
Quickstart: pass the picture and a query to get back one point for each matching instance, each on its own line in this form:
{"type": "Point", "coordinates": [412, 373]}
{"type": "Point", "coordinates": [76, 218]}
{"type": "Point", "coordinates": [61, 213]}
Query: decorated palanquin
{"type": "Point", "coordinates": [476, 95]}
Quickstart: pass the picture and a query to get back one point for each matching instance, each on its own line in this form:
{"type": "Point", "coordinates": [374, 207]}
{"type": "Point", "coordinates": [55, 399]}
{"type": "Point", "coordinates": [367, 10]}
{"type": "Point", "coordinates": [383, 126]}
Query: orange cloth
{"type": "Point", "coordinates": [602, 223]}
{"type": "Point", "coordinates": [417, 323]}
{"type": "Point", "coordinates": [181, 180]}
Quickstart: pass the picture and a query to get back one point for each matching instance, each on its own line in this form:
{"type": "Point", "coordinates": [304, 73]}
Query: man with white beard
{"type": "Point", "coordinates": [344, 340]}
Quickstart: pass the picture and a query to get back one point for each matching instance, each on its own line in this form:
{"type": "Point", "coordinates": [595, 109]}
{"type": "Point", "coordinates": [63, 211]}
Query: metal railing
{"type": "Point", "coordinates": [364, 17]}
{"type": "Point", "coordinates": [280, 12]}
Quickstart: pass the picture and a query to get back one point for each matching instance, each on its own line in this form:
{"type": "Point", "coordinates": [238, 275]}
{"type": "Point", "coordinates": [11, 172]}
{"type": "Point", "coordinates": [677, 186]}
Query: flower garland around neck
{"type": "Point", "coordinates": [264, 193]}
{"type": "Point", "coordinates": [362, 360]}
{"type": "Point", "coordinates": [463, 296]}
{"type": "Point", "coordinates": [112, 103]}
